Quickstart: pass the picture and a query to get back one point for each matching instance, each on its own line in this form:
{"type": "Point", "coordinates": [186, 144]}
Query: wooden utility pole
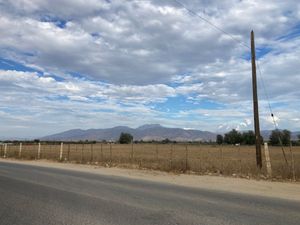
{"type": "Point", "coordinates": [255, 105]}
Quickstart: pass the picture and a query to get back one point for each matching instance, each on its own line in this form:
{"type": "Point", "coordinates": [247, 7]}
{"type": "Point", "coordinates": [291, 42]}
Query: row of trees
{"type": "Point", "coordinates": [235, 137]}
{"type": "Point", "coordinates": [126, 138]}
{"type": "Point", "coordinates": [277, 137]}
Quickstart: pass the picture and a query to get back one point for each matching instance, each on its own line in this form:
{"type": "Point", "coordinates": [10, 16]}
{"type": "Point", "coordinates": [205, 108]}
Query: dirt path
{"type": "Point", "coordinates": [283, 190]}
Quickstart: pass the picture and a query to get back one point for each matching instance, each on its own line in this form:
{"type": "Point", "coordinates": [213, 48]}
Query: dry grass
{"type": "Point", "coordinates": [226, 160]}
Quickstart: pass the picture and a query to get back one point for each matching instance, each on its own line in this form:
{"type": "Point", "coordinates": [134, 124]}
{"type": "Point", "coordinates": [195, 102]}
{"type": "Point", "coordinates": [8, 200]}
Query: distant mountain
{"type": "Point", "coordinates": [149, 126]}
{"type": "Point", "coordinates": [146, 132]}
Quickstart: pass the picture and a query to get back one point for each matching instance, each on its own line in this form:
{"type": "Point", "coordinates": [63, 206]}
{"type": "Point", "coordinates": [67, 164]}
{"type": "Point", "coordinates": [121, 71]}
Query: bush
{"type": "Point", "coordinates": [125, 138]}
{"type": "Point", "coordinates": [233, 137]}
{"type": "Point", "coordinates": [283, 136]}
{"type": "Point", "coordinates": [219, 139]}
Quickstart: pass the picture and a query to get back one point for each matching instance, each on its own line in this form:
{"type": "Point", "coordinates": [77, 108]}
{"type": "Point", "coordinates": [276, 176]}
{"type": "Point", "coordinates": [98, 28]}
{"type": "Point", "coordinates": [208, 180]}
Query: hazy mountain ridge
{"type": "Point", "coordinates": [146, 132]}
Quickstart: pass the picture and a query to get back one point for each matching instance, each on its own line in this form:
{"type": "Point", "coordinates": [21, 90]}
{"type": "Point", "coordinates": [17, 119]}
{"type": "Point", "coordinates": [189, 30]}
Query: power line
{"type": "Point", "coordinates": [212, 24]}
{"type": "Point", "coordinates": [260, 74]}
{"type": "Point", "coordinates": [267, 96]}
{"type": "Point", "coordinates": [257, 64]}
{"type": "Point", "coordinates": [272, 115]}
{"type": "Point", "coordinates": [192, 12]}
{"type": "Point", "coordinates": [239, 42]}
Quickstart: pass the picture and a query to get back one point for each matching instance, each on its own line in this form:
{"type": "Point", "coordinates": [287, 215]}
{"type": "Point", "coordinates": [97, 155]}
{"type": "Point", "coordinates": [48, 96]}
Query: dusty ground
{"type": "Point", "coordinates": [201, 159]}
{"type": "Point", "coordinates": [290, 191]}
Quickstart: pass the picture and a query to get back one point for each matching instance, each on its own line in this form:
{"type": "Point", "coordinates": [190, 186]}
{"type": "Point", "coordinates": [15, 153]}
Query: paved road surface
{"type": "Point", "coordinates": [32, 195]}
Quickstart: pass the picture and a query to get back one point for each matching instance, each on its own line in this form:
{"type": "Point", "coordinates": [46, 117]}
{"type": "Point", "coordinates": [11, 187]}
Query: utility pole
{"type": "Point", "coordinates": [255, 105]}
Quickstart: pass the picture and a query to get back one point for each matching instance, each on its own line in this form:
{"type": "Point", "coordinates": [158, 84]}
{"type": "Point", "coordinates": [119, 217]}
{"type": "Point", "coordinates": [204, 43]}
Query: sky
{"type": "Point", "coordinates": [67, 64]}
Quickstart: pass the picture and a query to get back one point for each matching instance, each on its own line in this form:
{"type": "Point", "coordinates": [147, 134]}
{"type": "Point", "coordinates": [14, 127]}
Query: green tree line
{"type": "Point", "coordinates": [277, 137]}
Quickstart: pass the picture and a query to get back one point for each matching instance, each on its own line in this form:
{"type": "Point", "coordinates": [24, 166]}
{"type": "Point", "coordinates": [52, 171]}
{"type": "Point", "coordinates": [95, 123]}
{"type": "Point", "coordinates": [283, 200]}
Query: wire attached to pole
{"type": "Point", "coordinates": [248, 47]}
{"type": "Point", "coordinates": [271, 112]}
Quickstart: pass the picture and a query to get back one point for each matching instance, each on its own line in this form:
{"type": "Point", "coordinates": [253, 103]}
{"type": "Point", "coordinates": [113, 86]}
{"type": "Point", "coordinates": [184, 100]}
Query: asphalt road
{"type": "Point", "coordinates": [32, 195]}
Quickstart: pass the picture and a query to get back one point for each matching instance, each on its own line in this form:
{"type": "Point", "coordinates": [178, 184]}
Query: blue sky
{"type": "Point", "coordinates": [96, 64]}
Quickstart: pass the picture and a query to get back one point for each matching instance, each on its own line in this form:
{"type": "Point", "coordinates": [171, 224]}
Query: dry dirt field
{"type": "Point", "coordinates": [200, 159]}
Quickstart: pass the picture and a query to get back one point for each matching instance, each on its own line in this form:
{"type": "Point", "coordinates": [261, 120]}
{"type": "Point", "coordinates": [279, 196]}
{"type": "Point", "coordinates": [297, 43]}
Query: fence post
{"type": "Point", "coordinates": [140, 161]}
{"type": "Point", "coordinates": [69, 152]}
{"type": "Point", "coordinates": [101, 150]}
{"type": "Point", "coordinates": [61, 151]}
{"type": "Point", "coordinates": [171, 157]}
{"type": "Point", "coordinates": [208, 160]}
{"type": "Point", "coordinates": [221, 149]}
{"type": "Point", "coordinates": [81, 159]}
{"type": "Point", "coordinates": [39, 151]}
{"type": "Point", "coordinates": [110, 153]}
{"type": "Point", "coordinates": [240, 158]}
{"type": "Point", "coordinates": [20, 150]}
{"type": "Point", "coordinates": [268, 161]}
{"type": "Point", "coordinates": [5, 150]}
{"type": "Point", "coordinates": [157, 152]}
{"type": "Point", "coordinates": [200, 157]}
{"type": "Point", "coordinates": [293, 162]}
{"type": "Point", "coordinates": [131, 156]}
{"type": "Point", "coordinates": [186, 157]}
{"type": "Point", "coordinates": [92, 153]}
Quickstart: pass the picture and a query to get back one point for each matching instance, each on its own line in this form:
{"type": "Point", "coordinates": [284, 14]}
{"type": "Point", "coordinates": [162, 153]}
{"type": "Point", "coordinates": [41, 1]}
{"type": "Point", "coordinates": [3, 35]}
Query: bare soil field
{"type": "Point", "coordinates": [225, 160]}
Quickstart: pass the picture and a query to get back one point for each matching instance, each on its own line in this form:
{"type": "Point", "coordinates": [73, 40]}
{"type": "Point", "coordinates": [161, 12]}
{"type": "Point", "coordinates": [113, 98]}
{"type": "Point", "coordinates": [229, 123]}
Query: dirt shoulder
{"type": "Point", "coordinates": [283, 190]}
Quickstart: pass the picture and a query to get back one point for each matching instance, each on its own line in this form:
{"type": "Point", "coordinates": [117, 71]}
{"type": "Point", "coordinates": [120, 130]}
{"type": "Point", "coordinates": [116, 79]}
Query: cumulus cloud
{"type": "Point", "coordinates": [97, 58]}
{"type": "Point", "coordinates": [133, 42]}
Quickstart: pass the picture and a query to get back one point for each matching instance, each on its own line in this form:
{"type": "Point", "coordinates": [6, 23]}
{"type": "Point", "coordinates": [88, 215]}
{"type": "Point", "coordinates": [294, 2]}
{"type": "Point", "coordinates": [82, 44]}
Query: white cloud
{"type": "Point", "coordinates": [134, 54]}
{"type": "Point", "coordinates": [133, 42]}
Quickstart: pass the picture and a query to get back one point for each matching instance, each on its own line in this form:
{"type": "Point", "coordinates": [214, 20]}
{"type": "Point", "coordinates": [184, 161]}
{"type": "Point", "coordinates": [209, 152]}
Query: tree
{"type": "Point", "coordinates": [219, 139]}
{"type": "Point", "coordinates": [274, 137]}
{"type": "Point", "coordinates": [248, 138]}
{"type": "Point", "coordinates": [286, 137]}
{"type": "Point", "coordinates": [166, 141]}
{"type": "Point", "coordinates": [277, 135]}
{"type": "Point", "coordinates": [233, 137]}
{"type": "Point", "coordinates": [125, 138]}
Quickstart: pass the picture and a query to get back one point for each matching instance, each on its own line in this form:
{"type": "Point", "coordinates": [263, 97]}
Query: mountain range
{"type": "Point", "coordinates": [146, 132]}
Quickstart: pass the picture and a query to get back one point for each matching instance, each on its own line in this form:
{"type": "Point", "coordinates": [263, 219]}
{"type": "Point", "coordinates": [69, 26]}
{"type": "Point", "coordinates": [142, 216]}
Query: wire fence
{"type": "Point", "coordinates": [191, 158]}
